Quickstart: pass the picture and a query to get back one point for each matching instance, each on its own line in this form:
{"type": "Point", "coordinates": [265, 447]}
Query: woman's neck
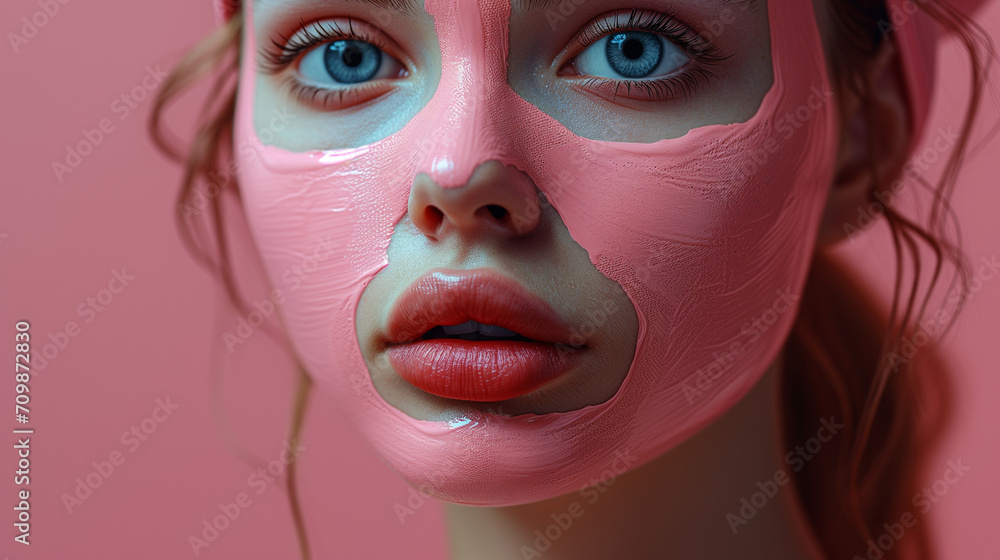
{"type": "Point", "coordinates": [724, 493]}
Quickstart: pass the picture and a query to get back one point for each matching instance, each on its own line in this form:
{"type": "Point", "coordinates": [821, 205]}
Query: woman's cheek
{"type": "Point", "coordinates": [721, 220]}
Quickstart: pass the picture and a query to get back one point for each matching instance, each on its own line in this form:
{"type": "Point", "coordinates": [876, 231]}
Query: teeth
{"type": "Point", "coordinates": [470, 327]}
{"type": "Point", "coordinates": [465, 328]}
{"type": "Point", "coordinates": [493, 330]}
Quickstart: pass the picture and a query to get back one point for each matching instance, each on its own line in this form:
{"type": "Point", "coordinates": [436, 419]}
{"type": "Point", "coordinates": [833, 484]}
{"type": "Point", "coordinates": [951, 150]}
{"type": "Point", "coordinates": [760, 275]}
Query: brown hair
{"type": "Point", "coordinates": [845, 358]}
{"type": "Point", "coordinates": [841, 358]}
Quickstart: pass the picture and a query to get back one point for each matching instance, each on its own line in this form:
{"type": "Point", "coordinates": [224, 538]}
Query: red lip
{"type": "Point", "coordinates": [477, 370]}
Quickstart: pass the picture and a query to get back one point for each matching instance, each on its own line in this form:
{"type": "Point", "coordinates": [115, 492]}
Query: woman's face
{"type": "Point", "coordinates": [528, 234]}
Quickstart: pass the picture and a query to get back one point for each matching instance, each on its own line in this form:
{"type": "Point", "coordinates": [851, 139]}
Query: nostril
{"type": "Point", "coordinates": [497, 211]}
{"type": "Point", "coordinates": [433, 216]}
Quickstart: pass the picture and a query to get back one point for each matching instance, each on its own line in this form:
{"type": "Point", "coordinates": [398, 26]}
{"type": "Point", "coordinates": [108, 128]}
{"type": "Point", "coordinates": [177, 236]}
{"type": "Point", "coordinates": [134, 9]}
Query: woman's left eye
{"type": "Point", "coordinates": [631, 55]}
{"type": "Point", "coordinates": [347, 61]}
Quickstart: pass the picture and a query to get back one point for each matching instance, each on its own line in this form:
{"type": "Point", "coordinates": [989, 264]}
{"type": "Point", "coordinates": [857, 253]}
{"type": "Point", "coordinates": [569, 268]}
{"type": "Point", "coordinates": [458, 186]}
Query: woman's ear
{"type": "Point", "coordinates": [874, 141]}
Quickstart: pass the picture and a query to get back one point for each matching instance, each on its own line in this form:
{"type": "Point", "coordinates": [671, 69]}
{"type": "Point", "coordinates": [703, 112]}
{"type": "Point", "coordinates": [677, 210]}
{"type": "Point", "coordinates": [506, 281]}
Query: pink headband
{"type": "Point", "coordinates": [916, 34]}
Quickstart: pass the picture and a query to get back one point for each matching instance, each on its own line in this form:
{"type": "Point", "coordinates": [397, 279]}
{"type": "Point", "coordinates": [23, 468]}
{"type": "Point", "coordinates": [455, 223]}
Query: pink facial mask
{"type": "Point", "coordinates": [710, 235]}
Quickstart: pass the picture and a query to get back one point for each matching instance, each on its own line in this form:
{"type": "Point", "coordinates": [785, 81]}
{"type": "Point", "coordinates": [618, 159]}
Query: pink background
{"type": "Point", "coordinates": [60, 242]}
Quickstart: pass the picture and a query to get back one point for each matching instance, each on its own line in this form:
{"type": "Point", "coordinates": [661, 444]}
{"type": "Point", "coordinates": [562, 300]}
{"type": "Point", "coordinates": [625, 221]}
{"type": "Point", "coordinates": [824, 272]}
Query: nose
{"type": "Point", "coordinates": [497, 200]}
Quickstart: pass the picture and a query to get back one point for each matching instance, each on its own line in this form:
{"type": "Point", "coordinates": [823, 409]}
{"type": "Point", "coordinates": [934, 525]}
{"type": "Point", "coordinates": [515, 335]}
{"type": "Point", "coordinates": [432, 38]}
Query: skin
{"type": "Point", "coordinates": [698, 483]}
{"type": "Point", "coordinates": [537, 252]}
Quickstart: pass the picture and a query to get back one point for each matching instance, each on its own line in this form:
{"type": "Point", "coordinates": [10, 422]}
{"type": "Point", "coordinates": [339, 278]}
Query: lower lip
{"type": "Point", "coordinates": [481, 371]}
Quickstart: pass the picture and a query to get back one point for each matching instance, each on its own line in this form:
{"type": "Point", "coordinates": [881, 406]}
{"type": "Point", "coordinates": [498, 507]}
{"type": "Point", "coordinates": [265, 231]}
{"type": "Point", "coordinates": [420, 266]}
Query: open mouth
{"type": "Point", "coordinates": [472, 330]}
{"type": "Point", "coordinates": [476, 336]}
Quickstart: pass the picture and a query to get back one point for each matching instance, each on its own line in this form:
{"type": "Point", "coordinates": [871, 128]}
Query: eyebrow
{"type": "Point", "coordinates": [401, 6]}
{"type": "Point", "coordinates": [410, 6]}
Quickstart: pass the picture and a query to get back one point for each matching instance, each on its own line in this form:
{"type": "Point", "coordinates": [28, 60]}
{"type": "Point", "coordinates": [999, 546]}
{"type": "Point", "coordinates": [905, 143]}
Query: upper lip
{"type": "Point", "coordinates": [443, 297]}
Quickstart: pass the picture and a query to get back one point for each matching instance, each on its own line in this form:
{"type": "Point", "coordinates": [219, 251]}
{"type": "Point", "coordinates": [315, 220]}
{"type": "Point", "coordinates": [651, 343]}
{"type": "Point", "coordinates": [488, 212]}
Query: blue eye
{"type": "Point", "coordinates": [347, 61]}
{"type": "Point", "coordinates": [351, 62]}
{"type": "Point", "coordinates": [631, 55]}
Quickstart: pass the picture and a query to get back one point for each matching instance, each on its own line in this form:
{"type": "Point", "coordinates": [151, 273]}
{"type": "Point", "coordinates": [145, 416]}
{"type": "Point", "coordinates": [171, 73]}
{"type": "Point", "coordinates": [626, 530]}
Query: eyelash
{"type": "Point", "coordinates": [683, 85]}
{"type": "Point", "coordinates": [287, 50]}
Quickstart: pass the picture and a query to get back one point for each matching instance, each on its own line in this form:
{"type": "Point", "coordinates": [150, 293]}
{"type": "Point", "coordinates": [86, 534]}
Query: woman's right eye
{"type": "Point", "coordinates": [347, 61]}
{"type": "Point", "coordinates": [336, 64]}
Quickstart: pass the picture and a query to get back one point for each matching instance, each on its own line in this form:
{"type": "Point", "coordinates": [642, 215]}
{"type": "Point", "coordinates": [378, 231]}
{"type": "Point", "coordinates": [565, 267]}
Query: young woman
{"type": "Point", "coordinates": [565, 264]}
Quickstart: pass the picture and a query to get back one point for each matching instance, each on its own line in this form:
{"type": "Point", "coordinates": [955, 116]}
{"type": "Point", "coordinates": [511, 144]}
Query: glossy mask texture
{"type": "Point", "coordinates": [710, 235]}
